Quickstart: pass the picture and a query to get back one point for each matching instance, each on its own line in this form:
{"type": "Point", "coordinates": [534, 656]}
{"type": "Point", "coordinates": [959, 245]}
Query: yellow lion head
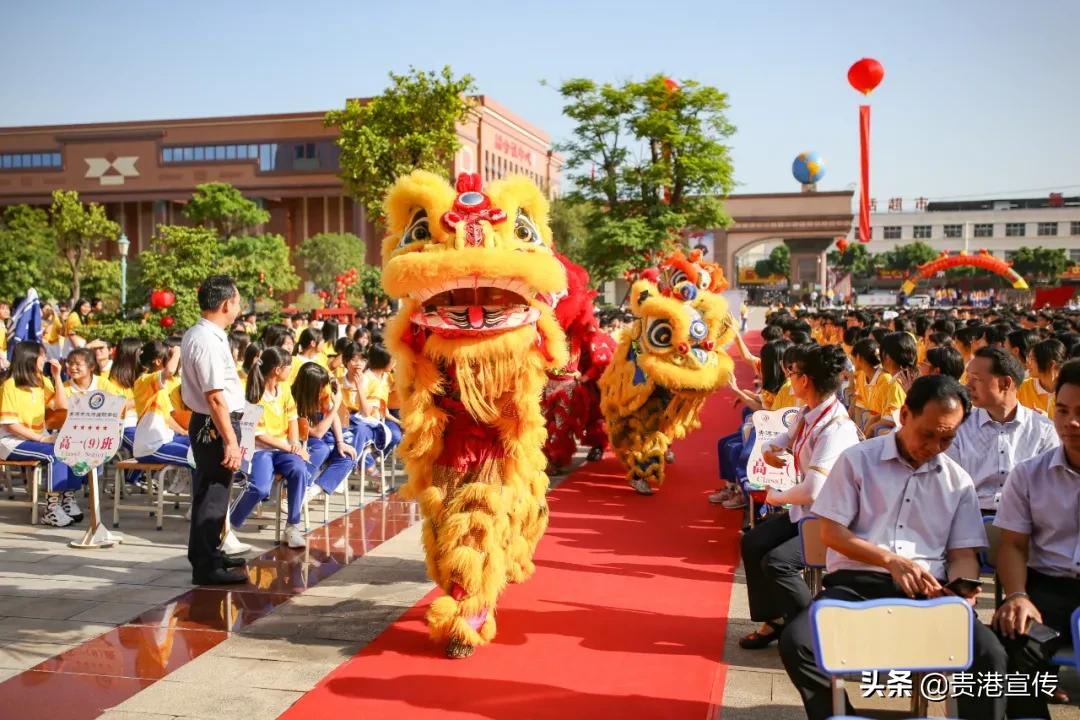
{"type": "Point", "coordinates": [470, 263]}
{"type": "Point", "coordinates": [678, 342]}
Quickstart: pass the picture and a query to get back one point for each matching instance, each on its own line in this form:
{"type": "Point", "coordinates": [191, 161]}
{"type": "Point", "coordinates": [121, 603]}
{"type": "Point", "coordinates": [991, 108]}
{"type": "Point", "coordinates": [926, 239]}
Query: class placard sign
{"type": "Point", "coordinates": [767, 425]}
{"type": "Point", "coordinates": [248, 423]}
{"type": "Point", "coordinates": [92, 431]}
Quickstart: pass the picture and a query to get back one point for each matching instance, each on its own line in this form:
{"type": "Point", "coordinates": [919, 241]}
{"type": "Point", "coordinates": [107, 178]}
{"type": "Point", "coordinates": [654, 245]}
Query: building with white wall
{"type": "Point", "coordinates": [999, 225]}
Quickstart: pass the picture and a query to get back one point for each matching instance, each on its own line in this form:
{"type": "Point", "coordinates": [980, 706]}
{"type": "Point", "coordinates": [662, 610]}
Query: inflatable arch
{"type": "Point", "coordinates": [983, 260]}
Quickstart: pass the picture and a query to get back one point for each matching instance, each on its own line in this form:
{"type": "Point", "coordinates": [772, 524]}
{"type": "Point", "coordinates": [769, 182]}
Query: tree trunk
{"type": "Point", "coordinates": [74, 261]}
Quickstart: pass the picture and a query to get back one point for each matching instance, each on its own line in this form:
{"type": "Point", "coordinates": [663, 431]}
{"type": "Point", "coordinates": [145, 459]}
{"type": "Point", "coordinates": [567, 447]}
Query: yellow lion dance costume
{"type": "Point", "coordinates": [473, 340]}
{"type": "Point", "coordinates": [667, 363]}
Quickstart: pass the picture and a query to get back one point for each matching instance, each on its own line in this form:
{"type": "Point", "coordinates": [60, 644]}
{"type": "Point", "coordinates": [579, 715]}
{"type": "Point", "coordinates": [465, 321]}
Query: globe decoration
{"type": "Point", "coordinates": [808, 168]}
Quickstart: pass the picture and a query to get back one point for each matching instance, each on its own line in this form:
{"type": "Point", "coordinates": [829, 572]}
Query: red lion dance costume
{"type": "Point", "coordinates": [474, 340]}
{"type": "Point", "coordinates": [571, 402]}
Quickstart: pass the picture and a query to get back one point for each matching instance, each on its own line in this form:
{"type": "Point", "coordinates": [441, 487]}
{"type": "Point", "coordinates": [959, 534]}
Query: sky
{"type": "Point", "coordinates": [979, 99]}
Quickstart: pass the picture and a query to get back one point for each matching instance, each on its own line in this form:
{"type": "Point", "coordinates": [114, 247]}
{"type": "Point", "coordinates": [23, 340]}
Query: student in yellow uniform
{"type": "Point", "coordinates": [159, 438]}
{"type": "Point", "coordinates": [375, 399]}
{"type": "Point", "coordinates": [1043, 362]}
{"type": "Point", "coordinates": [76, 320]}
{"type": "Point", "coordinates": [309, 348]}
{"type": "Point", "coordinates": [52, 328]}
{"type": "Point", "coordinates": [871, 382]}
{"type": "Point", "coordinates": [124, 372]}
{"type": "Point", "coordinates": [899, 358]}
{"type": "Point", "coordinates": [278, 447]}
{"type": "Point", "coordinates": [24, 398]}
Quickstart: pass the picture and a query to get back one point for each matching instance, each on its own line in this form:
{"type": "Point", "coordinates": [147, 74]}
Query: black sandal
{"type": "Point", "coordinates": [759, 641]}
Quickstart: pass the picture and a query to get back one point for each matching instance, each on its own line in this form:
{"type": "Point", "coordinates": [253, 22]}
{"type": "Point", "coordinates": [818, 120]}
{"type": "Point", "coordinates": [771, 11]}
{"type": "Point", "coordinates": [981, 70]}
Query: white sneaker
{"type": "Point", "coordinates": [642, 486]}
{"type": "Point", "coordinates": [180, 485]}
{"type": "Point", "coordinates": [294, 538]}
{"type": "Point", "coordinates": [232, 546]}
{"type": "Point", "coordinates": [55, 516]}
{"type": "Point", "coordinates": [187, 515]}
{"type": "Point", "coordinates": [312, 492]}
{"type": "Point", "coordinates": [67, 502]}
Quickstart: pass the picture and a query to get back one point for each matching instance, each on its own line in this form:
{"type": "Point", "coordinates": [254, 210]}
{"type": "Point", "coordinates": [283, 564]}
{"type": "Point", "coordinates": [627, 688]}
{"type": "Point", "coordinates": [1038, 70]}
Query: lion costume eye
{"type": "Point", "coordinates": [525, 230]}
{"type": "Point", "coordinates": [678, 276]}
{"type": "Point", "coordinates": [417, 231]}
{"type": "Point", "coordinates": [704, 279]}
{"type": "Point", "coordinates": [659, 333]}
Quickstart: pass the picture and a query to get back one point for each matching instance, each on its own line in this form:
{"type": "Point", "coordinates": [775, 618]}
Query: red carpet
{"type": "Point", "coordinates": [625, 617]}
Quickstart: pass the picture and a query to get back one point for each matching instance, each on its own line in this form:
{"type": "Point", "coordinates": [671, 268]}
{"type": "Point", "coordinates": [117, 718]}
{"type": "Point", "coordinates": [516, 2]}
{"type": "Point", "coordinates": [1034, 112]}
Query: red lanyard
{"type": "Point", "coordinates": [797, 448]}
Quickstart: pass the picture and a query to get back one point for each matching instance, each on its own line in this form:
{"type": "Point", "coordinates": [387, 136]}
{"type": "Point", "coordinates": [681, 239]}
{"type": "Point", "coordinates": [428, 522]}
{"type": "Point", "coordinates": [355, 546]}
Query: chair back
{"type": "Point", "coordinates": [893, 634]}
{"type": "Point", "coordinates": [813, 549]}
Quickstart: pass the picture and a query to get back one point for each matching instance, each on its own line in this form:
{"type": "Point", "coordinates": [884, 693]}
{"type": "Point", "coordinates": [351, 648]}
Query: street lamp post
{"type": "Point", "coordinates": [123, 244]}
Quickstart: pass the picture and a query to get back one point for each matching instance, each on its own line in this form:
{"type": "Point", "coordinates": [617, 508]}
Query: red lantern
{"type": "Point", "coordinates": [842, 245]}
{"type": "Point", "coordinates": [167, 321]}
{"type": "Point", "coordinates": [865, 75]}
{"type": "Point", "coordinates": [162, 299]}
{"type": "Point", "coordinates": [670, 84]}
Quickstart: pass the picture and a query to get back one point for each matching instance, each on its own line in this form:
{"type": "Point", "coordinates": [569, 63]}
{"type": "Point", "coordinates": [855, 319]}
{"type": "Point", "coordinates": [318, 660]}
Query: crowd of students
{"type": "Point", "coordinates": [912, 432]}
{"type": "Point", "coordinates": [326, 393]}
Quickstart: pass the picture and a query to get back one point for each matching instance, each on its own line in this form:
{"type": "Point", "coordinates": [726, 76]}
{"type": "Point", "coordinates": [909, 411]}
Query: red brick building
{"type": "Point", "coordinates": [143, 172]}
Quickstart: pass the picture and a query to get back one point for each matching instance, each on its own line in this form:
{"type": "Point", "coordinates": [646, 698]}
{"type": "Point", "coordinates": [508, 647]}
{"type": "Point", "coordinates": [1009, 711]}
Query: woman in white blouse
{"type": "Point", "coordinates": [772, 551]}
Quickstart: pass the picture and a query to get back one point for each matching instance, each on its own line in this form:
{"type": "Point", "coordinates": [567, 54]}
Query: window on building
{"type": "Point", "coordinates": [954, 231]}
{"type": "Point", "coordinates": [892, 232]}
{"type": "Point", "coordinates": [1014, 230]}
{"type": "Point", "coordinates": [921, 232]}
{"type": "Point", "coordinates": [984, 230]}
{"type": "Point", "coordinates": [1074, 256]}
{"type": "Point", "coordinates": [1047, 228]}
{"type": "Point", "coordinates": [1074, 228]}
{"type": "Point", "coordinates": [34, 160]}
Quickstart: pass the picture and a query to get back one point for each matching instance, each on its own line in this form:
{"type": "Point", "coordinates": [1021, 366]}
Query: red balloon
{"type": "Point", "coordinates": [161, 299]}
{"type": "Point", "coordinates": [670, 84]}
{"type": "Point", "coordinates": [842, 245]}
{"type": "Point", "coordinates": [865, 75]}
{"type": "Point", "coordinates": [167, 321]}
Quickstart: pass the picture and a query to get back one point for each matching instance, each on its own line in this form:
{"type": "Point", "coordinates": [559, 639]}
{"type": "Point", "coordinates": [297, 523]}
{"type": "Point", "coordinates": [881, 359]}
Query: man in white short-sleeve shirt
{"type": "Point", "coordinates": [1000, 432]}
{"type": "Point", "coordinates": [210, 386]}
{"type": "Point", "coordinates": [1038, 562]}
{"type": "Point", "coordinates": [900, 520]}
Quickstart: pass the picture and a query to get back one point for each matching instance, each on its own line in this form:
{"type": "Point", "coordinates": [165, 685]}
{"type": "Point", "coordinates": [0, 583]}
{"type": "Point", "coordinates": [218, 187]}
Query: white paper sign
{"type": "Point", "coordinates": [91, 434]}
{"type": "Point", "coordinates": [767, 425]}
{"type": "Point", "coordinates": [252, 415]}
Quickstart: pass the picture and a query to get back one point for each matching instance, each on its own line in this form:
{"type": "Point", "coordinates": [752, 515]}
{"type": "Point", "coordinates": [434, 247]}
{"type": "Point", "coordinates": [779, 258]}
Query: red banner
{"type": "Point", "coordinates": [864, 159]}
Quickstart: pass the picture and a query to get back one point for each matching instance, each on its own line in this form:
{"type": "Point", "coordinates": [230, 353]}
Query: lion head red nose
{"type": "Point", "coordinates": [684, 348]}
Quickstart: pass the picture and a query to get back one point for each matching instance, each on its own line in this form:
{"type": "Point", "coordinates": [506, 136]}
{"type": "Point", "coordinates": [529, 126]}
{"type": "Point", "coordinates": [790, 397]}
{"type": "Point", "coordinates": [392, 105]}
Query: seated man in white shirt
{"type": "Point", "coordinates": [1039, 558]}
{"type": "Point", "coordinates": [1000, 432]}
{"type": "Point", "coordinates": [901, 519]}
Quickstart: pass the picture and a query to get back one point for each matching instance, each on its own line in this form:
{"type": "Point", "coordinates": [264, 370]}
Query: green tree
{"type": "Point", "coordinates": [411, 125]}
{"type": "Point", "coordinates": [28, 249]}
{"type": "Point", "coordinates": [855, 260]}
{"type": "Point", "coordinates": [778, 263]}
{"type": "Point", "coordinates": [1040, 264]}
{"type": "Point", "coordinates": [180, 258]}
{"type": "Point", "coordinates": [569, 222]}
{"type": "Point", "coordinates": [908, 257]}
{"type": "Point", "coordinates": [224, 208]}
{"type": "Point", "coordinates": [327, 255]}
{"type": "Point", "coordinates": [259, 264]}
{"type": "Point", "coordinates": [650, 159]}
{"type": "Point", "coordinates": [78, 231]}
{"type": "Point", "coordinates": [368, 290]}
{"type": "Point", "coordinates": [615, 246]}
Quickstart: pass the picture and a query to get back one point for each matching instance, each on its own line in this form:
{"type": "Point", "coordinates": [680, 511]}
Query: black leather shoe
{"type": "Point", "coordinates": [219, 576]}
{"type": "Point", "coordinates": [233, 562]}
{"type": "Point", "coordinates": [597, 453]}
